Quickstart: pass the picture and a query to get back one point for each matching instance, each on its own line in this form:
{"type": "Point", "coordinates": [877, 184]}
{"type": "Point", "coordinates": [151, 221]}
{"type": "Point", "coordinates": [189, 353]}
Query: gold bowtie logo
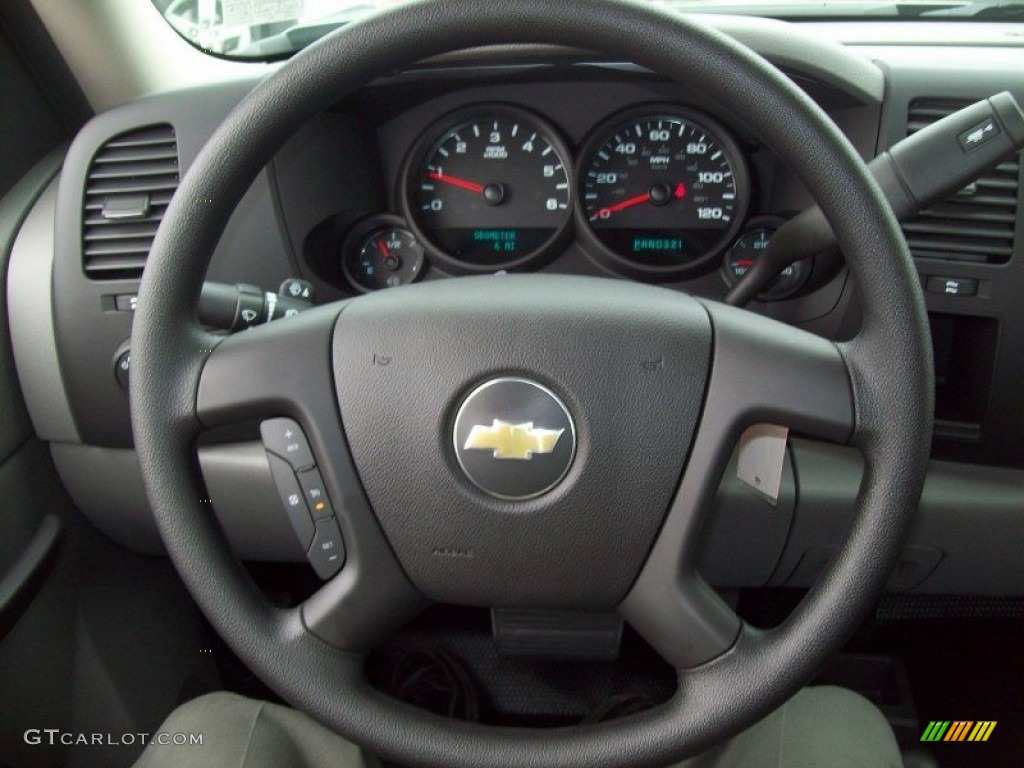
{"type": "Point", "coordinates": [512, 441]}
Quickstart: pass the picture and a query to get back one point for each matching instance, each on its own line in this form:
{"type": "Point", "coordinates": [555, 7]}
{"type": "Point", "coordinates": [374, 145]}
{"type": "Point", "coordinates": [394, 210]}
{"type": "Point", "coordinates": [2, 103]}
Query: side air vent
{"type": "Point", "coordinates": [130, 182]}
{"type": "Point", "coordinates": [977, 223]}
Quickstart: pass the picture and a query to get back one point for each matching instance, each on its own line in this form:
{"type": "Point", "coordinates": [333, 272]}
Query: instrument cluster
{"type": "Point", "coordinates": [655, 193]}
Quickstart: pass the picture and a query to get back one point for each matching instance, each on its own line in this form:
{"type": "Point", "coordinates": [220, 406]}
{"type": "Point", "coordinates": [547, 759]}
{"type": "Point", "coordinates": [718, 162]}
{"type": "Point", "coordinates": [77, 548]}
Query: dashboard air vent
{"type": "Point", "coordinates": [129, 185]}
{"type": "Point", "coordinates": [977, 223]}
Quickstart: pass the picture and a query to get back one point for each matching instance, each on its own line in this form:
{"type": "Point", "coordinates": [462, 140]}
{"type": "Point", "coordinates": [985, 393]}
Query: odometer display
{"type": "Point", "coordinates": [492, 192]}
{"type": "Point", "coordinates": [662, 194]}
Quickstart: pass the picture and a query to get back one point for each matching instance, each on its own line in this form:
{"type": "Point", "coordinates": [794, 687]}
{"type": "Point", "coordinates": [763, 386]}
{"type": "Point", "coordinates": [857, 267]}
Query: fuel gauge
{"type": "Point", "coordinates": [381, 254]}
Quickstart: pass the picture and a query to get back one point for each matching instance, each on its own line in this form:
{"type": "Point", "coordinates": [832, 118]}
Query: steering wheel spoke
{"type": "Point", "coordinates": [285, 369]}
{"type": "Point", "coordinates": [279, 369]}
{"type": "Point", "coordinates": [761, 372]}
{"type": "Point", "coordinates": [766, 372]}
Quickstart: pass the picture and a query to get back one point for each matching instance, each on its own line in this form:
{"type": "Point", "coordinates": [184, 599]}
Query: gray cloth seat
{"type": "Point", "coordinates": [822, 727]}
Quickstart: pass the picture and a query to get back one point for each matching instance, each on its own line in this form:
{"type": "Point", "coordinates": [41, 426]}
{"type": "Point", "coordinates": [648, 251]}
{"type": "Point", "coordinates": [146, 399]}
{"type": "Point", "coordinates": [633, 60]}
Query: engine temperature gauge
{"type": "Point", "coordinates": [748, 248]}
{"type": "Point", "coordinates": [382, 255]}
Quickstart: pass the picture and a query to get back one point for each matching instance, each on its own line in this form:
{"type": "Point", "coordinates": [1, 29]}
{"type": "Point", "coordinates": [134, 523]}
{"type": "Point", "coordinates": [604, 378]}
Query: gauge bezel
{"type": "Point", "coordinates": [357, 236]}
{"type": "Point", "coordinates": [602, 134]}
{"type": "Point", "coordinates": [434, 136]}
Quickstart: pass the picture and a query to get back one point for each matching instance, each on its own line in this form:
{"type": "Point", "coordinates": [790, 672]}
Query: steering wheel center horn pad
{"type": "Point", "coordinates": [631, 363]}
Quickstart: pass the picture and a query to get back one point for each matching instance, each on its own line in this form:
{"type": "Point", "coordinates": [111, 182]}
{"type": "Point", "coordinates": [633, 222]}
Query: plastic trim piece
{"type": "Point", "coordinates": [15, 206]}
{"type": "Point", "coordinates": [33, 332]}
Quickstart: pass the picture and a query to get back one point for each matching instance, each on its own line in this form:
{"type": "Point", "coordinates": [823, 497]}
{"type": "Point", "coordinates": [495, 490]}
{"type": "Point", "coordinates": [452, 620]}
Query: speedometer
{"type": "Point", "coordinates": [489, 189]}
{"type": "Point", "coordinates": [662, 193]}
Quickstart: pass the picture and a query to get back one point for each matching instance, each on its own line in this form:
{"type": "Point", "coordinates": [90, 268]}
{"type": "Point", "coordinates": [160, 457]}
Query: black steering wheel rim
{"type": "Point", "coordinates": [888, 362]}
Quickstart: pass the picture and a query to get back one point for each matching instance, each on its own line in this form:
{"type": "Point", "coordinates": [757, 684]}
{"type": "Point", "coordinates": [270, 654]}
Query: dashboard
{"type": "Point", "coordinates": [544, 160]}
{"type": "Point", "coordinates": [597, 169]}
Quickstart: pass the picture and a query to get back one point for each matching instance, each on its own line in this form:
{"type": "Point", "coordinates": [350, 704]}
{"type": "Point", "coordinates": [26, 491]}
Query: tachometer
{"type": "Point", "coordinates": [489, 189]}
{"type": "Point", "coordinates": [662, 193]}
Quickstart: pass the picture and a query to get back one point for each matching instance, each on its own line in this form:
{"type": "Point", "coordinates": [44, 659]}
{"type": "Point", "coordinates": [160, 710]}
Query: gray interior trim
{"type": "Point", "coordinates": [106, 486]}
{"type": "Point", "coordinates": [793, 46]}
{"type": "Point", "coordinates": [965, 537]}
{"type": "Point", "coordinates": [789, 46]}
{"type": "Point", "coordinates": [15, 206]}
{"type": "Point", "coordinates": [33, 333]}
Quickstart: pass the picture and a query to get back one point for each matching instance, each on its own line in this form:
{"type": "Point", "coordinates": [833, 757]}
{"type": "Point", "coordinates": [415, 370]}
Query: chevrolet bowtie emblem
{"type": "Point", "coordinates": [496, 455]}
{"type": "Point", "coordinates": [512, 441]}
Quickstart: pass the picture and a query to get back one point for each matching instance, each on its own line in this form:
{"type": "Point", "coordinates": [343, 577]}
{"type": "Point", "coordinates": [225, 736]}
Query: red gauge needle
{"type": "Point", "coordinates": [622, 206]}
{"type": "Point", "coordinates": [456, 181]}
{"type": "Point", "coordinates": [384, 248]}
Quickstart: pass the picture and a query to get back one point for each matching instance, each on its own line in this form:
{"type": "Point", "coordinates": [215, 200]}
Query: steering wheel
{"type": "Point", "coordinates": [642, 450]}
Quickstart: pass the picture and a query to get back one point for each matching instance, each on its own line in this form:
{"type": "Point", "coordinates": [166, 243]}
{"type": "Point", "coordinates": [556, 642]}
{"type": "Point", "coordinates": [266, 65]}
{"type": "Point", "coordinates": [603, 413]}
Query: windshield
{"type": "Point", "coordinates": [265, 29]}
